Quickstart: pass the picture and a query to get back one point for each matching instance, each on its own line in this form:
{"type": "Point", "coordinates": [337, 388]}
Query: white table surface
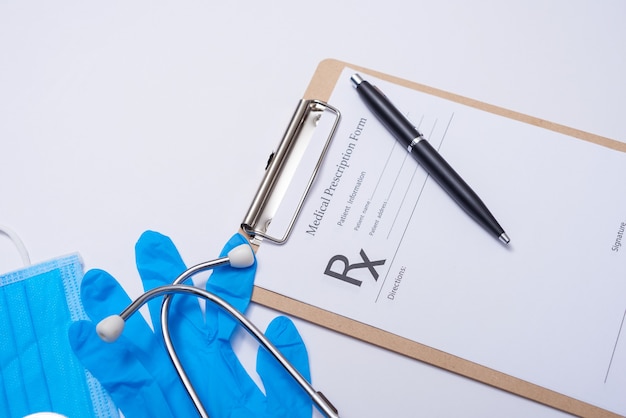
{"type": "Point", "coordinates": [117, 117]}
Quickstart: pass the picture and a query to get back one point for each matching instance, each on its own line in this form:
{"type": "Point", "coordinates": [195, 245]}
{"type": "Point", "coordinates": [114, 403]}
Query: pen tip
{"type": "Point", "coordinates": [504, 238]}
{"type": "Point", "coordinates": [356, 80]}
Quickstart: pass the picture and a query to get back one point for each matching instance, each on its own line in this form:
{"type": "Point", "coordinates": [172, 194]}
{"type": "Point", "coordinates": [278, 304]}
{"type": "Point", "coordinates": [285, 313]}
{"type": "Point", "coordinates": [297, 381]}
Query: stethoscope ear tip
{"type": "Point", "coordinates": [110, 328]}
{"type": "Point", "coordinates": [241, 256]}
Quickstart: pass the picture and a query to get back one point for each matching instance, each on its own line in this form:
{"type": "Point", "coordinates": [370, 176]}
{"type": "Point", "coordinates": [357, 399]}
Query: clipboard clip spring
{"type": "Point", "coordinates": [281, 167]}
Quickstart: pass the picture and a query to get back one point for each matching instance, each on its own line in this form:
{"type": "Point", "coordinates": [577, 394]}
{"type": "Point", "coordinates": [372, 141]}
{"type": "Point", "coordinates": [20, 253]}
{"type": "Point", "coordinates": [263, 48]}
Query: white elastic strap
{"type": "Point", "coordinates": [18, 243]}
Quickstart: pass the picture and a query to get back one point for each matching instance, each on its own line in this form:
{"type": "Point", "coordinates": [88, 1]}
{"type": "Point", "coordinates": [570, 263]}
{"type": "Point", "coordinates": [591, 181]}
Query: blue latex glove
{"type": "Point", "coordinates": [136, 370]}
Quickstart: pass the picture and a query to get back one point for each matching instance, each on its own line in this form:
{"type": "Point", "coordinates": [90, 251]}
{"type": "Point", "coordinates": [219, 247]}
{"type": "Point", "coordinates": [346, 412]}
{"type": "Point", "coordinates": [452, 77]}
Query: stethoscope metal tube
{"type": "Point", "coordinates": [116, 322]}
{"type": "Point", "coordinates": [165, 331]}
{"type": "Point", "coordinates": [322, 404]}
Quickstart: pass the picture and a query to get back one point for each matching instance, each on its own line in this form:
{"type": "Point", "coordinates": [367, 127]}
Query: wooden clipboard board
{"type": "Point", "coordinates": [320, 88]}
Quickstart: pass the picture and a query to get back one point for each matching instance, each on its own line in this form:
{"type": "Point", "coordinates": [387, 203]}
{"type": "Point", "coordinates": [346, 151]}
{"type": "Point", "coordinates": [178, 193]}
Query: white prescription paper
{"type": "Point", "coordinates": [548, 309]}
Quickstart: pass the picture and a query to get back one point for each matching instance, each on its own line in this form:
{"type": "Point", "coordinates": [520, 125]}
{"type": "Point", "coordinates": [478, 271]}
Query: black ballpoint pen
{"type": "Point", "coordinates": [427, 156]}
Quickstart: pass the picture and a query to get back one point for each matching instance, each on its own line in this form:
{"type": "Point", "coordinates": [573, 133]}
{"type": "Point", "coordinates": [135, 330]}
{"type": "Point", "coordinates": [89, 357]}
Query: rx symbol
{"type": "Point", "coordinates": [347, 267]}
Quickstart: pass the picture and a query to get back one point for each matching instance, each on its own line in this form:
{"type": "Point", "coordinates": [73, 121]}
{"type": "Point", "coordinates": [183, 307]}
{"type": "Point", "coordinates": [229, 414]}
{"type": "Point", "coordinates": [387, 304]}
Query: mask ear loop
{"type": "Point", "coordinates": [21, 248]}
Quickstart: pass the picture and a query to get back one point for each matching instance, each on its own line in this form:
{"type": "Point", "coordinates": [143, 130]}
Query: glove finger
{"type": "Point", "coordinates": [233, 285]}
{"type": "Point", "coordinates": [159, 263]}
{"type": "Point", "coordinates": [102, 296]}
{"type": "Point", "coordinates": [132, 388]}
{"type": "Point", "coordinates": [229, 388]}
{"type": "Point", "coordinates": [285, 398]}
{"type": "Point", "coordinates": [225, 382]}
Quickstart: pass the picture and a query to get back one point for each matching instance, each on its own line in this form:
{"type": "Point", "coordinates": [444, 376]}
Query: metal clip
{"type": "Point", "coordinates": [281, 167]}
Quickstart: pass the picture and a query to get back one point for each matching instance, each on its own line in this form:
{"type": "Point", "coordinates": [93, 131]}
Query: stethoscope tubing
{"type": "Point", "coordinates": [165, 331]}
{"type": "Point", "coordinates": [178, 288]}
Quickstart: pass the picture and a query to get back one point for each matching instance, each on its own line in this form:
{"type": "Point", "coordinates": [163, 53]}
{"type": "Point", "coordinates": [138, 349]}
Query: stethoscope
{"type": "Point", "coordinates": [110, 328]}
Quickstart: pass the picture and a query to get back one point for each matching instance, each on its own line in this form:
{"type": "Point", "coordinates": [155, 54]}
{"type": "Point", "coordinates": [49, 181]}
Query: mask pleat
{"type": "Point", "coordinates": [11, 374]}
{"type": "Point", "coordinates": [23, 369]}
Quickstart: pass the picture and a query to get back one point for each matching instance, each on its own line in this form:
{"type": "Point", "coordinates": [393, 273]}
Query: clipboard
{"type": "Point", "coordinates": [269, 195]}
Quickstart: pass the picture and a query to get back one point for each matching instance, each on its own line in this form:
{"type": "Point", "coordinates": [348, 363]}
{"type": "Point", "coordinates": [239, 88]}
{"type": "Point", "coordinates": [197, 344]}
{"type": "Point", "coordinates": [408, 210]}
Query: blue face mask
{"type": "Point", "coordinates": [38, 370]}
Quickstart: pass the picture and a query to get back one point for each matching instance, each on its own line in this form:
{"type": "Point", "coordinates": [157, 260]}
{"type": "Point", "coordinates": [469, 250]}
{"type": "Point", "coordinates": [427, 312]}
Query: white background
{"type": "Point", "coordinates": [117, 117]}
